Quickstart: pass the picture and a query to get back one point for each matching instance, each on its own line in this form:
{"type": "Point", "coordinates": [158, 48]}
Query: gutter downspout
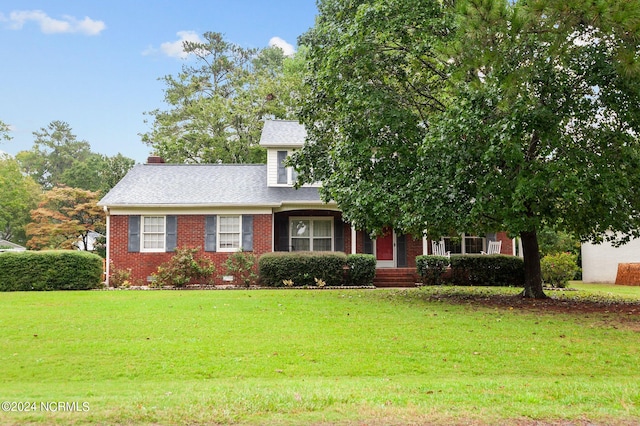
{"type": "Point", "coordinates": [108, 259]}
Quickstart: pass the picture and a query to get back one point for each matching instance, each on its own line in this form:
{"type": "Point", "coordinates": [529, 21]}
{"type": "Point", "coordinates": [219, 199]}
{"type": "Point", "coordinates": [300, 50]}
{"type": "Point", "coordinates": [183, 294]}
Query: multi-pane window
{"type": "Point", "coordinates": [311, 234]}
{"type": "Point", "coordinates": [153, 233]}
{"type": "Point", "coordinates": [229, 233]}
{"type": "Point", "coordinates": [453, 245]}
{"type": "Point", "coordinates": [464, 244]}
{"type": "Point", "coordinates": [473, 245]}
{"type": "Point", "coordinates": [286, 175]}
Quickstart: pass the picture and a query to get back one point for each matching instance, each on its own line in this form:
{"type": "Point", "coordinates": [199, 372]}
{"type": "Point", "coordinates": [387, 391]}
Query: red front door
{"type": "Point", "coordinates": [384, 247]}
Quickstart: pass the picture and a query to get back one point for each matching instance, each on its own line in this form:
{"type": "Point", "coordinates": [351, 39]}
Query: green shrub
{"type": "Point", "coordinates": [558, 269]}
{"type": "Point", "coordinates": [362, 269]}
{"type": "Point", "coordinates": [431, 268]}
{"type": "Point", "coordinates": [302, 268]}
{"type": "Point", "coordinates": [120, 278]}
{"type": "Point", "coordinates": [184, 267]}
{"type": "Point", "coordinates": [50, 270]}
{"type": "Point", "coordinates": [242, 267]}
{"type": "Point", "coordinates": [487, 270]}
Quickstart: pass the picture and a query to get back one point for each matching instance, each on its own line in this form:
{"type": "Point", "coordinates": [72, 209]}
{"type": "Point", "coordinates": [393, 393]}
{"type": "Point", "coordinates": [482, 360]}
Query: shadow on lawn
{"type": "Point", "coordinates": [568, 302]}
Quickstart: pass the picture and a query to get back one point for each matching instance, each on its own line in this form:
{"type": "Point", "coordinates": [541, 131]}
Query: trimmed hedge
{"type": "Point", "coordinates": [487, 270]}
{"type": "Point", "coordinates": [302, 268]}
{"type": "Point", "coordinates": [432, 268]}
{"type": "Point", "coordinates": [50, 270]}
{"type": "Point", "coordinates": [362, 269]}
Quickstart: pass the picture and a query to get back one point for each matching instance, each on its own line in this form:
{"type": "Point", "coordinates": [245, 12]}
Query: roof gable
{"type": "Point", "coordinates": [283, 133]}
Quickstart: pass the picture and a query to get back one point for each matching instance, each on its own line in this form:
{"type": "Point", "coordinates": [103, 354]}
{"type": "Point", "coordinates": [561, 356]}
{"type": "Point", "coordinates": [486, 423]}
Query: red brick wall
{"type": "Point", "coordinates": [414, 247]}
{"type": "Point", "coordinates": [507, 243]}
{"type": "Point", "coordinates": [347, 238]}
{"type": "Point", "coordinates": [190, 233]}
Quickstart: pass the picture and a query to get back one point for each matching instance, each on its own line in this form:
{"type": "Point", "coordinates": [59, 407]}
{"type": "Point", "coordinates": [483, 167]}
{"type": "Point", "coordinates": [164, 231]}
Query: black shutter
{"type": "Point", "coordinates": [338, 237]}
{"type": "Point", "coordinates": [282, 227]}
{"type": "Point", "coordinates": [210, 231]}
{"type": "Point", "coordinates": [171, 234]}
{"type": "Point", "coordinates": [401, 248]}
{"type": "Point", "coordinates": [368, 243]}
{"type": "Point", "coordinates": [133, 244]}
{"type": "Point", "coordinates": [282, 170]}
{"type": "Point", "coordinates": [247, 232]}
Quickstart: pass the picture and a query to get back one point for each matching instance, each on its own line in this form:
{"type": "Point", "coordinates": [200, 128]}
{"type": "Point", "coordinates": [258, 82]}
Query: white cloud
{"type": "Point", "coordinates": [90, 27]}
{"type": "Point", "coordinates": [48, 25]}
{"type": "Point", "coordinates": [175, 49]}
{"type": "Point", "coordinates": [287, 48]}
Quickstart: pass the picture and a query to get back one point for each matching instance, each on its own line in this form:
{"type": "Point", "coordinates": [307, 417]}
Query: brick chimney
{"type": "Point", "coordinates": [155, 159]}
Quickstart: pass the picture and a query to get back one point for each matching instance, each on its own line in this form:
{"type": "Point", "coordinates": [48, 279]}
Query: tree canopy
{"type": "Point", "coordinates": [58, 158]}
{"type": "Point", "coordinates": [19, 194]}
{"type": "Point", "coordinates": [477, 116]}
{"type": "Point", "coordinates": [97, 173]}
{"type": "Point", "coordinates": [64, 218]}
{"type": "Point", "coordinates": [218, 101]}
{"type": "Point", "coordinates": [55, 149]}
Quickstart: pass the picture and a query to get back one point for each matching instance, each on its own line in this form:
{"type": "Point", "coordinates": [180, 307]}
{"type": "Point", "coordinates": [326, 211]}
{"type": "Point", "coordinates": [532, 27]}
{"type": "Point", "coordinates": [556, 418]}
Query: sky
{"type": "Point", "coordinates": [96, 64]}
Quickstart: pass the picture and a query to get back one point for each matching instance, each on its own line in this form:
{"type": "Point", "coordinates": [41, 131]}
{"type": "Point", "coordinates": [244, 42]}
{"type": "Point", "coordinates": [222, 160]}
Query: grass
{"type": "Point", "coordinates": [311, 357]}
{"type": "Point", "coordinates": [632, 292]}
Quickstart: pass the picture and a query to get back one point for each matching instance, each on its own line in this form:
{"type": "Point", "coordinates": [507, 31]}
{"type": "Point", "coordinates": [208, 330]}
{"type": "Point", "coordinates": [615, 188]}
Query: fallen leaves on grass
{"type": "Point", "coordinates": [568, 302]}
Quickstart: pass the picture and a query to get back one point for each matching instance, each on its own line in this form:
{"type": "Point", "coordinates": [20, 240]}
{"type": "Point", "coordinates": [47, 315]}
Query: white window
{"type": "Point", "coordinates": [229, 233]}
{"type": "Point", "coordinates": [464, 244]}
{"type": "Point", "coordinates": [286, 175]}
{"type": "Point", "coordinates": [311, 234]}
{"type": "Point", "coordinates": [153, 233]}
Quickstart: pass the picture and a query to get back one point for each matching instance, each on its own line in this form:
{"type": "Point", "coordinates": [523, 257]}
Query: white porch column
{"type": "Point", "coordinates": [353, 240]}
{"type": "Point", "coordinates": [425, 245]}
{"type": "Point", "coordinates": [108, 248]}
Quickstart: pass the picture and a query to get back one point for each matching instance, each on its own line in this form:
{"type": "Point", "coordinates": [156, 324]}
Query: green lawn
{"type": "Point", "coordinates": [305, 357]}
{"type": "Point", "coordinates": [608, 289]}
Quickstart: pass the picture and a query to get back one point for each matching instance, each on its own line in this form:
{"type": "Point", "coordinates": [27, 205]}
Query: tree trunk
{"type": "Point", "coordinates": [532, 272]}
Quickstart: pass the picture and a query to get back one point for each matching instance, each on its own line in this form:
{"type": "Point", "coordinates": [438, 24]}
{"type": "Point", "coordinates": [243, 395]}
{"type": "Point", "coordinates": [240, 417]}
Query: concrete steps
{"type": "Point", "coordinates": [395, 277]}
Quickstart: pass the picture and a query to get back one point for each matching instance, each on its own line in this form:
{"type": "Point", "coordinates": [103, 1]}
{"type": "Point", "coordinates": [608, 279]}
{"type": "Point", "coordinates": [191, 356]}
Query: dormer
{"type": "Point", "coordinates": [281, 138]}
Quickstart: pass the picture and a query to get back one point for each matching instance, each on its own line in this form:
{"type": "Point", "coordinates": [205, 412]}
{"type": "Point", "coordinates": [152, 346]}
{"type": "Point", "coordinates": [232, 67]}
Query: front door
{"type": "Point", "coordinates": [384, 249]}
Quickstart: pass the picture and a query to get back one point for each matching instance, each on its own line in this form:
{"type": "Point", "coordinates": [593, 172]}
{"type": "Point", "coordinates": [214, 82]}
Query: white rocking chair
{"type": "Point", "coordinates": [438, 249]}
{"type": "Point", "coordinates": [493, 247]}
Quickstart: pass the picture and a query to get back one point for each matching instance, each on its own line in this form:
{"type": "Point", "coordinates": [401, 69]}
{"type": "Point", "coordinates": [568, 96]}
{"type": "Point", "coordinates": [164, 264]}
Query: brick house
{"type": "Point", "coordinates": [222, 208]}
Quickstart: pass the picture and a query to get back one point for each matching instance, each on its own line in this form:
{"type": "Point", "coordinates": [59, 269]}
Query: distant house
{"type": "Point", "coordinates": [92, 241]}
{"type": "Point", "coordinates": [9, 246]}
{"type": "Point", "coordinates": [600, 261]}
{"type": "Point", "coordinates": [223, 208]}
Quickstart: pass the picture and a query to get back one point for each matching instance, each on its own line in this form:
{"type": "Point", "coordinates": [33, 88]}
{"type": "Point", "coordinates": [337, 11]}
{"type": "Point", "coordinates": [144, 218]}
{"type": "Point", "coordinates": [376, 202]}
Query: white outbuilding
{"type": "Point", "coordinates": [600, 261]}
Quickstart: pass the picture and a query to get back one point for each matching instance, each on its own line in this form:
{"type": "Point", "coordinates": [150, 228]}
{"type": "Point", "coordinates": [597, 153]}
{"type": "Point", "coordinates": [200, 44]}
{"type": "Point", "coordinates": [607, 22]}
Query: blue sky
{"type": "Point", "coordinates": [95, 64]}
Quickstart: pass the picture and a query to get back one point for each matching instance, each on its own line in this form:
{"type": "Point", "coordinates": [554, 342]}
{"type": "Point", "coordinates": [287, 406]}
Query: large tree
{"type": "Point", "coordinates": [19, 194]}
{"type": "Point", "coordinates": [477, 116]}
{"type": "Point", "coordinates": [97, 173]}
{"type": "Point", "coordinates": [217, 103]}
{"type": "Point", "coordinates": [64, 218]}
{"type": "Point", "coordinates": [58, 158]}
{"type": "Point", "coordinates": [55, 149]}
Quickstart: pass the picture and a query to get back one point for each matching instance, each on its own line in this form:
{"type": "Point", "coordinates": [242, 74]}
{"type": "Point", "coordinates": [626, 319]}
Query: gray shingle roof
{"type": "Point", "coordinates": [202, 184]}
{"type": "Point", "coordinates": [283, 133]}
